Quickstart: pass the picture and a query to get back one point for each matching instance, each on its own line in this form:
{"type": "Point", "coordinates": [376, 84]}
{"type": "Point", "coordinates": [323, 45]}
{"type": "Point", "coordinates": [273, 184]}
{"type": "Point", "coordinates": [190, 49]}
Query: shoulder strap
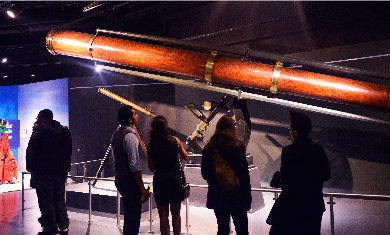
{"type": "Point", "coordinates": [177, 143]}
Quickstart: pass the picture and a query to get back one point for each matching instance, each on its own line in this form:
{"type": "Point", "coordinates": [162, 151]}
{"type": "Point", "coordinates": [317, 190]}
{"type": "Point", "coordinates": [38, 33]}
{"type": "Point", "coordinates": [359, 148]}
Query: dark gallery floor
{"type": "Point", "coordinates": [357, 217]}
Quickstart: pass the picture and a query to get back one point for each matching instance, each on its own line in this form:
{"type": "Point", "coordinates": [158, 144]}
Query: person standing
{"type": "Point", "coordinates": [228, 146]}
{"type": "Point", "coordinates": [304, 168]}
{"type": "Point", "coordinates": [163, 150]}
{"type": "Point", "coordinates": [48, 158]}
{"type": "Point", "coordinates": [128, 175]}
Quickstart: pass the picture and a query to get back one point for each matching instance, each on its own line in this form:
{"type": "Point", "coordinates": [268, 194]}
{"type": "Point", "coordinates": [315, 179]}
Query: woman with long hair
{"type": "Point", "coordinates": [230, 148]}
{"type": "Point", "coordinates": [163, 151]}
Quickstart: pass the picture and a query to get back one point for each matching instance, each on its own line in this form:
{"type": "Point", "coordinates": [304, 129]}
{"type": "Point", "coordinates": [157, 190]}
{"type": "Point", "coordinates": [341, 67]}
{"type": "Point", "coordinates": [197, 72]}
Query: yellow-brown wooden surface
{"type": "Point", "coordinates": [225, 70]}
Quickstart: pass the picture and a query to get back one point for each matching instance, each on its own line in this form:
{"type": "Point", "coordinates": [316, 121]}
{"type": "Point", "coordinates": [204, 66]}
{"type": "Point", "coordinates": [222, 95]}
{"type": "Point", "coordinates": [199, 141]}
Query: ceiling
{"type": "Point", "coordinates": [355, 34]}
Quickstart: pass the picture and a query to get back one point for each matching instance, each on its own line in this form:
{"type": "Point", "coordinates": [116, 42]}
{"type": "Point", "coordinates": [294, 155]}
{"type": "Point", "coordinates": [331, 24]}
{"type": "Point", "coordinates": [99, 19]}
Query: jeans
{"type": "Point", "coordinates": [240, 220]}
{"type": "Point", "coordinates": [50, 191]}
{"type": "Point", "coordinates": [131, 196]}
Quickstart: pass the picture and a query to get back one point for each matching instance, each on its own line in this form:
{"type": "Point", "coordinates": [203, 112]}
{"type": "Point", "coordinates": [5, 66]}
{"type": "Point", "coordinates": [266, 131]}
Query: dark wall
{"type": "Point", "coordinates": [357, 151]}
{"type": "Point", "coordinates": [92, 115]}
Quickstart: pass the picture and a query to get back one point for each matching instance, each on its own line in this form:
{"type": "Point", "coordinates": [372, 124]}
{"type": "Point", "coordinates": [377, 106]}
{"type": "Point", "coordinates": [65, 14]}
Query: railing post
{"type": "Point", "coordinates": [22, 191]}
{"type": "Point", "coordinates": [331, 211]}
{"type": "Point", "coordinates": [276, 195]}
{"type": "Point", "coordinates": [90, 201]}
{"type": "Point", "coordinates": [150, 213]}
{"type": "Point", "coordinates": [118, 213]}
{"type": "Point", "coordinates": [188, 215]}
{"type": "Point", "coordinates": [84, 170]}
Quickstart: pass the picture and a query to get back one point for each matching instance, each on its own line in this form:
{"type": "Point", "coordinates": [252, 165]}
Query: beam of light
{"type": "Point", "coordinates": [357, 58]}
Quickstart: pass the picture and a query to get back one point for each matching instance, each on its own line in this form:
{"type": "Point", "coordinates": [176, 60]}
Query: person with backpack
{"type": "Point", "coordinates": [225, 169]}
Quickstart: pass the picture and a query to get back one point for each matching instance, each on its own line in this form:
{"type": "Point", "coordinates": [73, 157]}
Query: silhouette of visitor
{"type": "Point", "coordinates": [48, 158]}
{"type": "Point", "coordinates": [304, 168]}
{"type": "Point", "coordinates": [234, 202]}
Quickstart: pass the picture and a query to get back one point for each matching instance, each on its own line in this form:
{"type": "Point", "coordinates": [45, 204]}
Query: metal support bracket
{"type": "Point", "coordinates": [275, 78]}
{"type": "Point", "coordinates": [209, 67]}
{"type": "Point", "coordinates": [239, 93]}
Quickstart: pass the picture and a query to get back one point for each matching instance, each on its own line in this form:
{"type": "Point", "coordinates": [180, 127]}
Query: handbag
{"type": "Point", "coordinates": [276, 181]}
{"type": "Point", "coordinates": [184, 186]}
{"type": "Point", "coordinates": [226, 178]}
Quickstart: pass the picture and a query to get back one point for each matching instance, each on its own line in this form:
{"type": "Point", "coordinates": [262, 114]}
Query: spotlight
{"type": "Point", "coordinates": [11, 14]}
{"type": "Point", "coordinates": [93, 6]}
{"type": "Point", "coordinates": [14, 10]}
{"type": "Point", "coordinates": [4, 60]}
{"type": "Point", "coordinates": [98, 69]}
{"type": "Point", "coordinates": [5, 76]}
{"type": "Point", "coordinates": [32, 75]}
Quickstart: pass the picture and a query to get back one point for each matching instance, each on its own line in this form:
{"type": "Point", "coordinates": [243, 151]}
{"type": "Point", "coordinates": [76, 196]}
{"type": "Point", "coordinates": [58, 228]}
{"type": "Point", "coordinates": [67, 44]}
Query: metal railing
{"type": "Point", "coordinates": [90, 179]}
{"type": "Point", "coordinates": [85, 166]}
{"type": "Point", "coordinates": [269, 190]}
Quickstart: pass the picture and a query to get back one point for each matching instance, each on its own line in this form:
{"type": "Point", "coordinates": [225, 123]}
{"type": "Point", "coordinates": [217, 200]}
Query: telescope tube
{"type": "Point", "coordinates": [126, 102]}
{"type": "Point", "coordinates": [217, 69]}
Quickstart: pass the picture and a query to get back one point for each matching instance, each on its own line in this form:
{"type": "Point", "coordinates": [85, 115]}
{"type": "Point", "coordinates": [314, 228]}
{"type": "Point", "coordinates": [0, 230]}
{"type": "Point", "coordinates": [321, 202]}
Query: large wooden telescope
{"type": "Point", "coordinates": [215, 69]}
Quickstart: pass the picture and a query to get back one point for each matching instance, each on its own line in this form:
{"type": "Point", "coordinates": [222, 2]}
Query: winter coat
{"type": "Point", "coordinates": [49, 150]}
{"type": "Point", "coordinates": [304, 168]}
{"type": "Point", "coordinates": [234, 155]}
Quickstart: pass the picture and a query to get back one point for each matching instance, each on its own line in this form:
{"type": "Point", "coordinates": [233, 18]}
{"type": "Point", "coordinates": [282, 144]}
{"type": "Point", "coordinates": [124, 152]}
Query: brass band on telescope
{"type": "Point", "coordinates": [209, 67]}
{"type": "Point", "coordinates": [275, 78]}
{"type": "Point", "coordinates": [90, 50]}
{"type": "Point", "coordinates": [49, 41]}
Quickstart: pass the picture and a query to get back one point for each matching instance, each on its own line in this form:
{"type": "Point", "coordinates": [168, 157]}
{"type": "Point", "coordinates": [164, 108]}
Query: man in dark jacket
{"type": "Point", "coordinates": [48, 159]}
{"type": "Point", "coordinates": [304, 168]}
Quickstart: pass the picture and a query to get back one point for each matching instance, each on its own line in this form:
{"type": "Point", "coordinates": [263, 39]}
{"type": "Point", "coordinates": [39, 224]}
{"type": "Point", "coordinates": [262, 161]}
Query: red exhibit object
{"type": "Point", "coordinates": [8, 164]}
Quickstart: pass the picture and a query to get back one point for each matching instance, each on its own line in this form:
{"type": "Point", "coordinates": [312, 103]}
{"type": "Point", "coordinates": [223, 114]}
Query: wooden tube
{"type": "Point", "coordinates": [225, 70]}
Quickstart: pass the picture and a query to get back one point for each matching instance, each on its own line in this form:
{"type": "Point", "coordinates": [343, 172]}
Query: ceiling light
{"type": "Point", "coordinates": [93, 5]}
{"type": "Point", "coordinates": [11, 14]}
{"type": "Point", "coordinates": [14, 10]}
{"type": "Point", "coordinates": [32, 75]}
{"type": "Point", "coordinates": [4, 60]}
{"type": "Point", "coordinates": [5, 76]}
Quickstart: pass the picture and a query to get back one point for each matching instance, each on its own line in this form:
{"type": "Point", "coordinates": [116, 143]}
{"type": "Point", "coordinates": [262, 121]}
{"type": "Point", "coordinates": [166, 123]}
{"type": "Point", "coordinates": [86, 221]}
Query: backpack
{"type": "Point", "coordinates": [226, 178]}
